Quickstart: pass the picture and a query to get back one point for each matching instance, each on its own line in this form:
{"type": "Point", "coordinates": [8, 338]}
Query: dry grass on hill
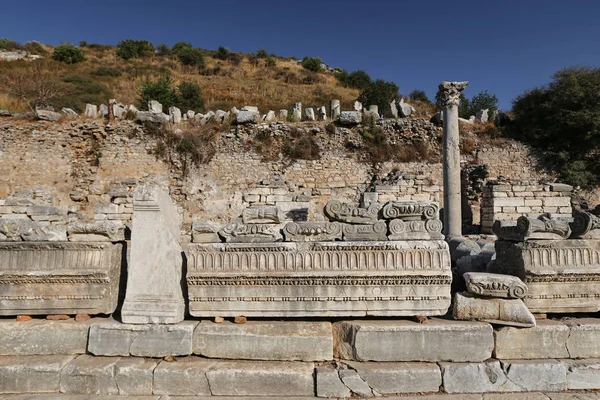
{"type": "Point", "coordinates": [224, 83]}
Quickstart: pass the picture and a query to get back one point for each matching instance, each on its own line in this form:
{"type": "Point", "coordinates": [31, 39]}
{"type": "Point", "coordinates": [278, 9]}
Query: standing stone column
{"type": "Point", "coordinates": [334, 109]}
{"type": "Point", "coordinates": [449, 93]}
{"type": "Point", "coordinates": [297, 112]}
{"type": "Point", "coordinates": [153, 294]}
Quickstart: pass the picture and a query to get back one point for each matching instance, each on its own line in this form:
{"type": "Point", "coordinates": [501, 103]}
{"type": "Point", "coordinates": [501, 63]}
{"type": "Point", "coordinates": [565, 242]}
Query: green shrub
{"type": "Point", "coordinates": [222, 53]}
{"type": "Point", "coordinates": [358, 79]}
{"type": "Point", "coordinates": [107, 71]}
{"type": "Point", "coordinates": [481, 101]}
{"type": "Point", "coordinates": [419, 95]}
{"type": "Point", "coordinates": [562, 118]}
{"type": "Point", "coordinates": [161, 90]}
{"type": "Point", "coordinates": [190, 97]}
{"type": "Point", "coordinates": [190, 56]}
{"type": "Point", "coordinates": [312, 64]}
{"type": "Point", "coordinates": [177, 47]}
{"type": "Point", "coordinates": [262, 53]}
{"type": "Point", "coordinates": [163, 50]}
{"type": "Point", "coordinates": [68, 54]}
{"type": "Point", "coordinates": [128, 49]}
{"type": "Point", "coordinates": [9, 45]}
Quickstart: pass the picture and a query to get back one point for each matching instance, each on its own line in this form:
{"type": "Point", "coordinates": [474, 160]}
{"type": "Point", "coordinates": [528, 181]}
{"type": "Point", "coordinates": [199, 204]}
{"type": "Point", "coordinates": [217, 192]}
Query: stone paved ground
{"type": "Point", "coordinates": [490, 396]}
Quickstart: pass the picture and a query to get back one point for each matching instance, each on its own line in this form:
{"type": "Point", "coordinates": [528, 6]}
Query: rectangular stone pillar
{"type": "Point", "coordinates": [154, 292]}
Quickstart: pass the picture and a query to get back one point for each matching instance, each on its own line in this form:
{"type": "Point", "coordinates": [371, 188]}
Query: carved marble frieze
{"type": "Point", "coordinates": [319, 278]}
{"type": "Point", "coordinates": [261, 215]}
{"type": "Point", "coordinates": [59, 277]}
{"type": "Point", "coordinates": [255, 233]}
{"type": "Point", "coordinates": [375, 232]}
{"type": "Point", "coordinates": [312, 231]}
{"type": "Point", "coordinates": [532, 228]}
{"type": "Point", "coordinates": [430, 229]}
{"type": "Point", "coordinates": [408, 210]}
{"type": "Point", "coordinates": [561, 275]}
{"type": "Point", "coordinates": [351, 214]}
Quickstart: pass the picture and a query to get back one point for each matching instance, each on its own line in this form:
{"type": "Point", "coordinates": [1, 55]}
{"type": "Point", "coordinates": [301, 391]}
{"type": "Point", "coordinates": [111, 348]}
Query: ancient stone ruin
{"type": "Point", "coordinates": [313, 288]}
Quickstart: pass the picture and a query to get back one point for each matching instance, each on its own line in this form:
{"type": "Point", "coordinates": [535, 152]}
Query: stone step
{"type": "Point", "coordinates": [195, 376]}
{"type": "Point", "coordinates": [402, 340]}
{"type": "Point", "coordinates": [441, 396]}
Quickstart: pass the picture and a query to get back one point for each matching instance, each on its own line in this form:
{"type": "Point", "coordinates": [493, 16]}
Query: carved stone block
{"type": "Point", "coordinates": [312, 231]}
{"type": "Point", "coordinates": [96, 231]}
{"type": "Point", "coordinates": [586, 225]}
{"type": "Point", "coordinates": [319, 279]}
{"type": "Point", "coordinates": [495, 285]}
{"type": "Point", "coordinates": [561, 275]}
{"type": "Point", "coordinates": [342, 212]}
{"type": "Point", "coordinates": [430, 229]}
{"type": "Point", "coordinates": [532, 228]}
{"type": "Point", "coordinates": [59, 277]}
{"type": "Point", "coordinates": [154, 292]}
{"type": "Point", "coordinates": [203, 232]}
{"type": "Point", "coordinates": [261, 215]}
{"type": "Point", "coordinates": [258, 233]}
{"type": "Point", "coordinates": [512, 312]}
{"type": "Point", "coordinates": [376, 232]}
{"type": "Point", "coordinates": [408, 210]}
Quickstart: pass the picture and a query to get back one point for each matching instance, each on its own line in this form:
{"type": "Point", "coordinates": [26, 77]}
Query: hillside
{"type": "Point", "coordinates": [269, 82]}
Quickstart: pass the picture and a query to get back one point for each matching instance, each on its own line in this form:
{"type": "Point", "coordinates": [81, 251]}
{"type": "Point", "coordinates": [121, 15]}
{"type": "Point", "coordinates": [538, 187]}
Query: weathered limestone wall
{"type": "Point", "coordinates": [508, 201]}
{"type": "Point", "coordinates": [87, 170]}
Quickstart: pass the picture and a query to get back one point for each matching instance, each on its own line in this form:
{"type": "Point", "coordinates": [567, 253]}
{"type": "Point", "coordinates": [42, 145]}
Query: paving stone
{"type": "Point", "coordinates": [38, 337]}
{"type": "Point", "coordinates": [31, 374]}
{"type": "Point", "coordinates": [512, 312]}
{"type": "Point", "coordinates": [76, 397]}
{"type": "Point", "coordinates": [329, 383]}
{"type": "Point", "coordinates": [401, 340]}
{"type": "Point", "coordinates": [584, 339]}
{"type": "Point", "coordinates": [90, 375]}
{"type": "Point", "coordinates": [389, 378]}
{"type": "Point", "coordinates": [112, 338]}
{"type": "Point", "coordinates": [583, 374]}
{"type": "Point", "coordinates": [573, 396]}
{"type": "Point", "coordinates": [546, 340]}
{"type": "Point", "coordinates": [182, 378]}
{"type": "Point", "coordinates": [515, 396]}
{"type": "Point", "coordinates": [134, 376]}
{"type": "Point", "coordinates": [261, 378]}
{"type": "Point", "coordinates": [281, 340]}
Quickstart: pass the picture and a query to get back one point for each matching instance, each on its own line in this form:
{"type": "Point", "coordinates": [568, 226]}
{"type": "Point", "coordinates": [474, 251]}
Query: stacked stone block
{"type": "Point", "coordinates": [509, 201]}
{"type": "Point", "coordinates": [290, 358]}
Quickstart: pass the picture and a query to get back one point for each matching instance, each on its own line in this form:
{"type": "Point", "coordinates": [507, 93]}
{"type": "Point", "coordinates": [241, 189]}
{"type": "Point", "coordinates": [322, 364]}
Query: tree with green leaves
{"type": "Point", "coordinates": [419, 95]}
{"type": "Point", "coordinates": [128, 49]}
{"type": "Point", "coordinates": [190, 97]}
{"type": "Point", "coordinates": [563, 118]}
{"type": "Point", "coordinates": [68, 54]}
{"type": "Point", "coordinates": [161, 90]}
{"type": "Point", "coordinates": [379, 93]}
{"type": "Point", "coordinates": [312, 64]}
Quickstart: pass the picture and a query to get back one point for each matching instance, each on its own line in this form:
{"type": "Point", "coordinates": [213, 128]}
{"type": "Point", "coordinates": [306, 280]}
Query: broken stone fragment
{"type": "Point", "coordinates": [107, 231]}
{"type": "Point", "coordinates": [511, 312]}
{"type": "Point", "coordinates": [261, 215]}
{"type": "Point", "coordinates": [495, 285]}
{"type": "Point", "coordinates": [204, 232]}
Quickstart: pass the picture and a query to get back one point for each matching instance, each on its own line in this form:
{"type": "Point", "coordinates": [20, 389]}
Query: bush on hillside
{"type": "Point", "coordinates": [186, 96]}
{"type": "Point", "coordinates": [9, 45]}
{"type": "Point", "coordinates": [481, 101]}
{"type": "Point", "coordinates": [161, 90]}
{"type": "Point", "coordinates": [163, 50]}
{"type": "Point", "coordinates": [107, 71]}
{"type": "Point", "coordinates": [190, 97]}
{"type": "Point", "coordinates": [563, 118]}
{"type": "Point", "coordinates": [380, 93]}
{"type": "Point", "coordinates": [128, 49]}
{"type": "Point", "coordinates": [68, 54]}
{"type": "Point", "coordinates": [312, 64]}
{"type": "Point", "coordinates": [419, 95]}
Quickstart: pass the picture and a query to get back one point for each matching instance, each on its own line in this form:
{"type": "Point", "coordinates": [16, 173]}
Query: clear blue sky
{"type": "Point", "coordinates": [502, 46]}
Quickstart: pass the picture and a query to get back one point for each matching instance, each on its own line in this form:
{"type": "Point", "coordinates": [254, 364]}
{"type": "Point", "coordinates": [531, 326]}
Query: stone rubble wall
{"type": "Point", "coordinates": [340, 360]}
{"type": "Point", "coordinates": [507, 201]}
{"type": "Point", "coordinates": [85, 167]}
